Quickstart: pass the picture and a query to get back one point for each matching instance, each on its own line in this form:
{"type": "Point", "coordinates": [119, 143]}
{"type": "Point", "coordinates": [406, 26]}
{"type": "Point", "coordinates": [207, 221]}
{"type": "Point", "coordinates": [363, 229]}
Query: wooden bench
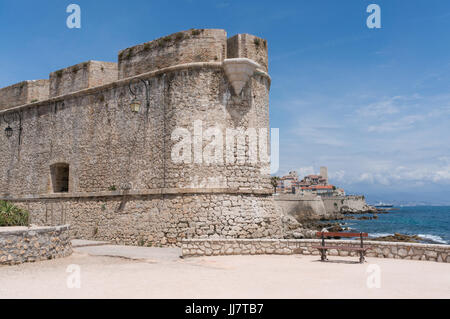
{"type": "Point", "coordinates": [323, 248]}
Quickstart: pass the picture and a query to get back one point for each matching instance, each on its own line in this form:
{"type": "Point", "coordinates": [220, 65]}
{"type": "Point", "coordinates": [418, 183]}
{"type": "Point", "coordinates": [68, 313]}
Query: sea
{"type": "Point", "coordinates": [432, 223]}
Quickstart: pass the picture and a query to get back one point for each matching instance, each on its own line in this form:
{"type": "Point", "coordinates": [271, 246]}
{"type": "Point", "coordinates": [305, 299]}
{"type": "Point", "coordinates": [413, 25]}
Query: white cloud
{"type": "Point", "coordinates": [337, 176]}
{"type": "Point", "coordinates": [304, 171]}
{"type": "Point", "coordinates": [319, 134]}
{"type": "Point", "coordinates": [379, 108]}
{"type": "Point", "coordinates": [406, 176]}
{"type": "Point", "coordinates": [442, 174]}
{"type": "Point", "coordinates": [398, 142]}
{"type": "Point", "coordinates": [404, 123]}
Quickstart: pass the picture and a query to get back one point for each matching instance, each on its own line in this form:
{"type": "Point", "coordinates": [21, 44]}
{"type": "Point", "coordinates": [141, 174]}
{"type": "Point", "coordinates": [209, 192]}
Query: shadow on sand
{"type": "Point", "coordinates": [338, 261]}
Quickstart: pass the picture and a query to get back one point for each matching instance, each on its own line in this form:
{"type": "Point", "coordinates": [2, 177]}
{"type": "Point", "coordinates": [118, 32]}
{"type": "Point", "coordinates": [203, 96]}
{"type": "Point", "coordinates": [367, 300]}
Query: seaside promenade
{"type": "Point", "coordinates": [138, 272]}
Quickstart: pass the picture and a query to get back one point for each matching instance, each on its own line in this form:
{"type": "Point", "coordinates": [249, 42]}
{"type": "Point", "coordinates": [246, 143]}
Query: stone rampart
{"type": "Point", "coordinates": [301, 207]}
{"type": "Point", "coordinates": [154, 220]}
{"type": "Point", "coordinates": [311, 207]}
{"type": "Point", "coordinates": [23, 93]}
{"type": "Point", "coordinates": [339, 204]}
{"type": "Point", "coordinates": [202, 45]}
{"type": "Point", "coordinates": [82, 76]}
{"type": "Point", "coordinates": [249, 46]}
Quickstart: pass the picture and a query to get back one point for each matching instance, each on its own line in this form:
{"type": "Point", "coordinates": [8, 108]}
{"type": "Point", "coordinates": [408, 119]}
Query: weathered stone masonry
{"type": "Point", "coordinates": [22, 244]}
{"type": "Point", "coordinates": [216, 247]}
{"type": "Point", "coordinates": [122, 183]}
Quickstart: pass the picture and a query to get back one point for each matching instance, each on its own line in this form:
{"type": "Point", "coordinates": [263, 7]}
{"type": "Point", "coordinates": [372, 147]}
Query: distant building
{"type": "Point", "coordinates": [287, 183]}
{"type": "Point", "coordinates": [324, 173]}
{"type": "Point", "coordinates": [310, 184]}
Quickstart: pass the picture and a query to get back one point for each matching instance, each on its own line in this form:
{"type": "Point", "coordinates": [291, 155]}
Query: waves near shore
{"type": "Point", "coordinates": [430, 223]}
{"type": "Point", "coordinates": [427, 237]}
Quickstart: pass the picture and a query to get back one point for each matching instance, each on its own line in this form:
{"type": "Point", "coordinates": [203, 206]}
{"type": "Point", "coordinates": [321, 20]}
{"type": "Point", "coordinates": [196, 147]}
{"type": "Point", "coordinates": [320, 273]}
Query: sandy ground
{"type": "Point", "coordinates": [134, 272]}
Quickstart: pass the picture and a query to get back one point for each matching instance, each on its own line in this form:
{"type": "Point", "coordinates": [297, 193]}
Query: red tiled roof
{"type": "Point", "coordinates": [324, 187]}
{"type": "Point", "coordinates": [318, 187]}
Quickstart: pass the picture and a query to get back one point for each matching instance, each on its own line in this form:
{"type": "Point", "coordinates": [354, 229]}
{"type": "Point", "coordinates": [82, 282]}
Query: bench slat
{"type": "Point", "coordinates": [330, 234]}
{"type": "Point", "coordinates": [342, 248]}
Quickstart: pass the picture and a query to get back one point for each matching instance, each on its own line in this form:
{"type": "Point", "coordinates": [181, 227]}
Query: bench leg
{"type": "Point", "coordinates": [361, 257]}
{"type": "Point", "coordinates": [323, 255]}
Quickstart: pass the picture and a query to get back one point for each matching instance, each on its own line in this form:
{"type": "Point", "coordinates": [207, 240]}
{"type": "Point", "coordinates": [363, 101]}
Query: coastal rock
{"type": "Point", "coordinates": [400, 238]}
{"type": "Point", "coordinates": [290, 223]}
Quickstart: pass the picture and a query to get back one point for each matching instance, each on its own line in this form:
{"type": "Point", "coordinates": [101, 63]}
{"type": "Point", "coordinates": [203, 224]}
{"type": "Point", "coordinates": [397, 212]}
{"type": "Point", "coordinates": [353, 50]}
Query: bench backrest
{"type": "Point", "coordinates": [329, 234]}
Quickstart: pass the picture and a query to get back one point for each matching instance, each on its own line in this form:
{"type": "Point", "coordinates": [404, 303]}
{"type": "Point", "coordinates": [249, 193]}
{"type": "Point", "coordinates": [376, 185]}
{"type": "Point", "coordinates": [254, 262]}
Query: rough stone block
{"type": "Point", "coordinates": [204, 45]}
{"type": "Point", "coordinates": [248, 46]}
{"type": "Point", "coordinates": [24, 93]}
{"type": "Point", "coordinates": [82, 76]}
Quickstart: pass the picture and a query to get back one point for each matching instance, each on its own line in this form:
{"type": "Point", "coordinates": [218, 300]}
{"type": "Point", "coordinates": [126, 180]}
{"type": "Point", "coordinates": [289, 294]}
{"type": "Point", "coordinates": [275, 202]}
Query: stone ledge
{"type": "Point", "coordinates": [314, 241]}
{"type": "Point", "coordinates": [158, 191]}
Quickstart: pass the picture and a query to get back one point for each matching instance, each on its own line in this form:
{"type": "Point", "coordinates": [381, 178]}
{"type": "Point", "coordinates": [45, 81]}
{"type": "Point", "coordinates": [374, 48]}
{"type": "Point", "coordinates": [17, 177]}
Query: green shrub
{"type": "Point", "coordinates": [11, 215]}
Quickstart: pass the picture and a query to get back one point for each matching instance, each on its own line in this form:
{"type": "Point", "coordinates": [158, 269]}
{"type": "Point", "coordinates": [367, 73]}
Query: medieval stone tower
{"type": "Point", "coordinates": [324, 173]}
{"type": "Point", "coordinates": [165, 145]}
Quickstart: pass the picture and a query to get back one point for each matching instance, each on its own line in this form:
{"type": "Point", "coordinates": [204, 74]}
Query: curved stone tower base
{"type": "Point", "coordinates": [155, 221]}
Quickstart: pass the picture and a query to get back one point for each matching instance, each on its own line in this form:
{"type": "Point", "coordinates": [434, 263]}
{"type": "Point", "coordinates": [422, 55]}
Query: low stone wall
{"type": "Point", "coordinates": [216, 247]}
{"type": "Point", "coordinates": [22, 244]}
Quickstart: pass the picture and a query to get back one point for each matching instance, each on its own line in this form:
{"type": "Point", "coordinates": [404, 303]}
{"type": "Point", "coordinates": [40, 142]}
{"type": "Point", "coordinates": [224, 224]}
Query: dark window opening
{"type": "Point", "coordinates": [60, 178]}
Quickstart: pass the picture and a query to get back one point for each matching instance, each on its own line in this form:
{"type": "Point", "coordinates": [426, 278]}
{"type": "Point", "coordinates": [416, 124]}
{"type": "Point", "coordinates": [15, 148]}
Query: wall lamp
{"type": "Point", "coordinates": [9, 131]}
{"type": "Point", "coordinates": [136, 103]}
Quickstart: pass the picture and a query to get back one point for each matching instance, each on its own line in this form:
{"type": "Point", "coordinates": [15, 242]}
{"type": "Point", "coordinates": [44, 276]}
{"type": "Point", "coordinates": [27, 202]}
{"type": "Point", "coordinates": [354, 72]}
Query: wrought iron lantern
{"type": "Point", "coordinates": [8, 131]}
{"type": "Point", "coordinates": [8, 118]}
{"type": "Point", "coordinates": [136, 103]}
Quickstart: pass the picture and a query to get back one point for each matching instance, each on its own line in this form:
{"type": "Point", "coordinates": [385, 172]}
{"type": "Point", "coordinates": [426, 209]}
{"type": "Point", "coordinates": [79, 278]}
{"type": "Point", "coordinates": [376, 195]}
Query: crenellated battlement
{"type": "Point", "coordinates": [181, 48]}
{"type": "Point", "coordinates": [82, 76]}
{"type": "Point", "coordinates": [23, 93]}
{"type": "Point", "coordinates": [250, 47]}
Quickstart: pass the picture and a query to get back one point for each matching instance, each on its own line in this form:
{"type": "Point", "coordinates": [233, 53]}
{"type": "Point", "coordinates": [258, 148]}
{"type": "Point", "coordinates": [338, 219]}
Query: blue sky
{"type": "Point", "coordinates": [371, 104]}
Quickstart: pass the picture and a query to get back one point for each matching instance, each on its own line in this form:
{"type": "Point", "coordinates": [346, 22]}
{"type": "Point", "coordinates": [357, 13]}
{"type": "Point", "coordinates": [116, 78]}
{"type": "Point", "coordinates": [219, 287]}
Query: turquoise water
{"type": "Point", "coordinates": [429, 222]}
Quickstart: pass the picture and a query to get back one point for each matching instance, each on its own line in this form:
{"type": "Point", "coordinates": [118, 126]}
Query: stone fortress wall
{"type": "Point", "coordinates": [23, 93]}
{"type": "Point", "coordinates": [123, 184]}
{"type": "Point", "coordinates": [312, 207]}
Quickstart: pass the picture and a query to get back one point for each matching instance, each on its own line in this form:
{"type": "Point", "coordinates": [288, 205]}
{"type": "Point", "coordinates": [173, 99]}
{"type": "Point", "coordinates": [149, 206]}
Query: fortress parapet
{"type": "Point", "coordinates": [250, 47]}
{"type": "Point", "coordinates": [82, 76]}
{"type": "Point", "coordinates": [23, 93]}
{"type": "Point", "coordinates": [179, 48]}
